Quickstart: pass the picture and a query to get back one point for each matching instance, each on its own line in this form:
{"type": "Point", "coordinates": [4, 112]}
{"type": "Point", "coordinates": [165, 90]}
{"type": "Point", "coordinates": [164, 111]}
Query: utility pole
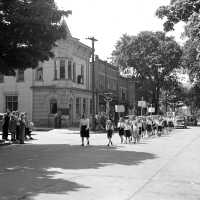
{"type": "Point", "coordinates": [93, 83]}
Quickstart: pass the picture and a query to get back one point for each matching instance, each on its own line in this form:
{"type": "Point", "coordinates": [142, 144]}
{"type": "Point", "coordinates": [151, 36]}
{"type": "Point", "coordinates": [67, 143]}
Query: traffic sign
{"type": "Point", "coordinates": [142, 104]}
{"type": "Point", "coordinates": [119, 108]}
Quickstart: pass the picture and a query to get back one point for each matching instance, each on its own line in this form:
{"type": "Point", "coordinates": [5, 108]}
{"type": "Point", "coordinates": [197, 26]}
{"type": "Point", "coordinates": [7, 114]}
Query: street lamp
{"type": "Point", "coordinates": [93, 83]}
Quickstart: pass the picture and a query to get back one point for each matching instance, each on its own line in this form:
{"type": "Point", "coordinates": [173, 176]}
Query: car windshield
{"type": "Point", "coordinates": [179, 118]}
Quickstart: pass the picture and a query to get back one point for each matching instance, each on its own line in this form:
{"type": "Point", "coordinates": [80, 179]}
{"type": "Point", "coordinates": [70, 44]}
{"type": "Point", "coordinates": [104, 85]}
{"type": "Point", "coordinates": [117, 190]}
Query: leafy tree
{"type": "Point", "coordinates": [153, 56]}
{"type": "Point", "coordinates": [28, 31]}
{"type": "Point", "coordinates": [181, 10]}
{"type": "Point", "coordinates": [188, 12]}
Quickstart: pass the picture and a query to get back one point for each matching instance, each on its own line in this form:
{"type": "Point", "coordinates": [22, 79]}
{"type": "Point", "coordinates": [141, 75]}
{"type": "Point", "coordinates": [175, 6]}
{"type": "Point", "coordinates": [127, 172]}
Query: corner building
{"type": "Point", "coordinates": [61, 84]}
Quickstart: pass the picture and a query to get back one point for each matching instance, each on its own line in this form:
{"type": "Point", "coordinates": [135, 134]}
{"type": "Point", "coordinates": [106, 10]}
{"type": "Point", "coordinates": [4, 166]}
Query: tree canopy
{"type": "Point", "coordinates": [189, 12]}
{"type": "Point", "coordinates": [153, 56]}
{"type": "Point", "coordinates": [28, 32]}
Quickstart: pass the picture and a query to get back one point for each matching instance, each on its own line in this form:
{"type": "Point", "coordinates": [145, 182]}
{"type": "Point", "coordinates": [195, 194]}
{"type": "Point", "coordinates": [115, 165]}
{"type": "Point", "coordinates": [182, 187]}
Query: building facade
{"type": "Point", "coordinates": [108, 81]}
{"type": "Point", "coordinates": [60, 85]}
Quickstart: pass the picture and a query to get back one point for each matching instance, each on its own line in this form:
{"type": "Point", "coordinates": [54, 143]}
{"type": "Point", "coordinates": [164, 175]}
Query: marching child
{"type": "Point", "coordinates": [109, 129]}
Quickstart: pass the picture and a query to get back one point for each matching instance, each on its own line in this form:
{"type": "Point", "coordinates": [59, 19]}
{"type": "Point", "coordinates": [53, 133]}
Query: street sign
{"type": "Point", "coordinates": [151, 110]}
{"type": "Point", "coordinates": [119, 108]}
{"type": "Point", "coordinates": [142, 104]}
{"type": "Point", "coordinates": [107, 99]}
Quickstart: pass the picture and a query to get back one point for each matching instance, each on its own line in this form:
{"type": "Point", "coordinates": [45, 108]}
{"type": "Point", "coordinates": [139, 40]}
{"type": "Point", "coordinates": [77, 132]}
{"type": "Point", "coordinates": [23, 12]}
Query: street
{"type": "Point", "coordinates": [55, 166]}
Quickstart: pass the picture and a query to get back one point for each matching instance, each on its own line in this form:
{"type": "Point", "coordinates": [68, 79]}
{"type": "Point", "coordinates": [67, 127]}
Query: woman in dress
{"type": "Point", "coordinates": [120, 127]}
{"type": "Point", "coordinates": [84, 129]}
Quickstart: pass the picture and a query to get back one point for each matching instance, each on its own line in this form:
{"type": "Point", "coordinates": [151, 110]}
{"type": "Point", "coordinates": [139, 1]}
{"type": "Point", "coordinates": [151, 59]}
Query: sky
{"type": "Point", "coordinates": [108, 20]}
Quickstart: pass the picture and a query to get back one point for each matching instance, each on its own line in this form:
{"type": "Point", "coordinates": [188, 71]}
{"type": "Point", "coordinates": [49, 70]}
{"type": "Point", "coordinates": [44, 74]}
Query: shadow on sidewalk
{"type": "Point", "coordinates": [24, 168]}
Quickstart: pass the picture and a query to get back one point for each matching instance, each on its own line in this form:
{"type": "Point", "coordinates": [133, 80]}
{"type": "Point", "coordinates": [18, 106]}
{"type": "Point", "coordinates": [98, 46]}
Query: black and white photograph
{"type": "Point", "coordinates": [99, 100]}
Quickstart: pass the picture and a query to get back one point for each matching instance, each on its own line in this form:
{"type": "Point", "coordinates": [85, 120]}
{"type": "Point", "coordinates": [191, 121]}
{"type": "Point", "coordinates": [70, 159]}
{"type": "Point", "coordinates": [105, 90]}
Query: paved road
{"type": "Point", "coordinates": [56, 167]}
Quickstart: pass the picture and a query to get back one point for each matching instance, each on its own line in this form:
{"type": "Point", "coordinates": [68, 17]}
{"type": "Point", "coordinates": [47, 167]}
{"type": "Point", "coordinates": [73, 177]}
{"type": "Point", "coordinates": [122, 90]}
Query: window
{"type": "Point", "coordinates": [123, 94]}
{"type": "Point", "coordinates": [70, 70]}
{"type": "Point", "coordinates": [79, 79]}
{"type": "Point", "coordinates": [82, 73]}
{"type": "Point", "coordinates": [39, 74]}
{"type": "Point", "coordinates": [62, 69]}
{"type": "Point", "coordinates": [53, 106]}
{"type": "Point", "coordinates": [12, 103]}
{"type": "Point", "coordinates": [74, 72]}
{"type": "Point", "coordinates": [20, 75]}
{"type": "Point", "coordinates": [78, 111]}
{"type": "Point", "coordinates": [84, 106]}
{"type": "Point", "coordinates": [55, 71]}
{"type": "Point", "coordinates": [1, 78]}
{"type": "Point", "coordinates": [101, 82]}
{"type": "Point", "coordinates": [91, 107]}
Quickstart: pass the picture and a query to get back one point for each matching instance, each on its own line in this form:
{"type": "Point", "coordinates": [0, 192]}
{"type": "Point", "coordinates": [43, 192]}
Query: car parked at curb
{"type": "Point", "coordinates": [180, 122]}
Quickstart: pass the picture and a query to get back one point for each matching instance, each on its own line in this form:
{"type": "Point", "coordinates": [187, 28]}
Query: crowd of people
{"type": "Point", "coordinates": [131, 129]}
{"type": "Point", "coordinates": [17, 125]}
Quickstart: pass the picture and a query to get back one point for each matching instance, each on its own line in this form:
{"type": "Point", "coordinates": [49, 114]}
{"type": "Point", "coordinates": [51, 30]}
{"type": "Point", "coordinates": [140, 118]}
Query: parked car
{"type": "Point", "coordinates": [180, 122]}
{"type": "Point", "coordinates": [191, 120]}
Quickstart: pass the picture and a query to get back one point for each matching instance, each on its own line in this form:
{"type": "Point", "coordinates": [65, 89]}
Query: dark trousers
{"type": "Point", "coordinates": [5, 132]}
{"type": "Point", "coordinates": [17, 133]}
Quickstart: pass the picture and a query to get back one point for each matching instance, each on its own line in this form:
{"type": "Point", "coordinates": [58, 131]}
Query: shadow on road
{"type": "Point", "coordinates": [24, 168]}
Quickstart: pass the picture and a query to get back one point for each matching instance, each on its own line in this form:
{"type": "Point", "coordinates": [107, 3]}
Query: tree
{"type": "Point", "coordinates": [153, 56]}
{"type": "Point", "coordinates": [181, 10]}
{"type": "Point", "coordinates": [28, 32]}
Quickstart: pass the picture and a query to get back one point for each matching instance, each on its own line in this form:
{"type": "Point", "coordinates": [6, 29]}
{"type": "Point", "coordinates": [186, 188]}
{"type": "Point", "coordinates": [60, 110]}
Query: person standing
{"type": "Point", "coordinates": [22, 125]}
{"type": "Point", "coordinates": [18, 125]}
{"type": "Point", "coordinates": [13, 126]}
{"type": "Point", "coordinates": [27, 128]}
{"type": "Point", "coordinates": [84, 129]}
{"type": "Point", "coordinates": [5, 126]}
{"type": "Point", "coordinates": [109, 129]}
{"type": "Point", "coordinates": [121, 127]}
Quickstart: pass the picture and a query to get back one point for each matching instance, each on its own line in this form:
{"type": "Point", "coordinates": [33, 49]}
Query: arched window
{"type": "Point", "coordinates": [53, 106]}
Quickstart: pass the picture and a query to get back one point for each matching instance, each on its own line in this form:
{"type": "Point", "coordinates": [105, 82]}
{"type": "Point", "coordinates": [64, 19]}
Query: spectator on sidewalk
{"type": "Point", "coordinates": [27, 128]}
{"type": "Point", "coordinates": [22, 128]}
{"type": "Point", "coordinates": [13, 126]}
{"type": "Point", "coordinates": [84, 129]}
{"type": "Point", "coordinates": [5, 125]}
{"type": "Point", "coordinates": [18, 125]}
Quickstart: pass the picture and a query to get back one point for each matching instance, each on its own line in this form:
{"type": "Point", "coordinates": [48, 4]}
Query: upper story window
{"type": "Point", "coordinates": [74, 72]}
{"type": "Point", "coordinates": [101, 82]}
{"type": "Point", "coordinates": [62, 69]}
{"type": "Point", "coordinates": [1, 78]}
{"type": "Point", "coordinates": [70, 70]}
{"type": "Point", "coordinates": [123, 93]}
{"type": "Point", "coordinates": [39, 74]}
{"type": "Point", "coordinates": [82, 73]}
{"type": "Point", "coordinates": [20, 75]}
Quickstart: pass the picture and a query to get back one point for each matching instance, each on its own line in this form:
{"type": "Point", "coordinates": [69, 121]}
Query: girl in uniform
{"type": "Point", "coordinates": [109, 129]}
{"type": "Point", "coordinates": [127, 130]}
{"type": "Point", "coordinates": [84, 129]}
{"type": "Point", "coordinates": [121, 127]}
